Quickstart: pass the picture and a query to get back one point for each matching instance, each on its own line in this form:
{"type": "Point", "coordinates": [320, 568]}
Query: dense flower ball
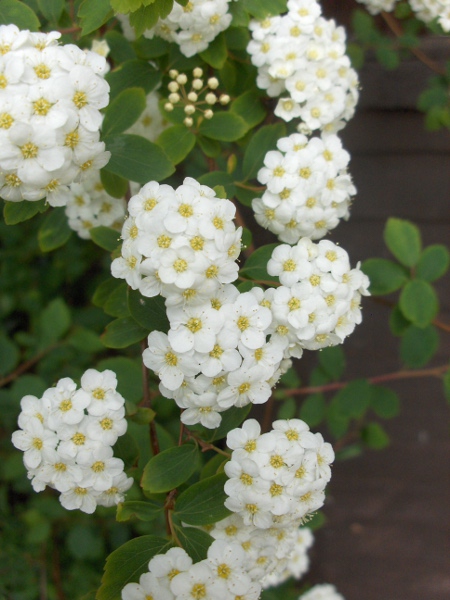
{"type": "Point", "coordinates": [50, 101]}
{"type": "Point", "coordinates": [67, 438]}
{"type": "Point", "coordinates": [89, 205]}
{"type": "Point", "coordinates": [301, 57]}
{"type": "Point", "coordinates": [308, 187]}
{"type": "Point", "coordinates": [429, 10]}
{"type": "Point", "coordinates": [276, 479]}
{"type": "Point", "coordinates": [192, 26]}
{"type": "Point", "coordinates": [318, 303]}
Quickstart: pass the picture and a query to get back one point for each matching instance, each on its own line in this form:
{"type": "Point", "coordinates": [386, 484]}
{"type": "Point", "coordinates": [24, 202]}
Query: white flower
{"type": "Point", "coordinates": [199, 581]}
{"type": "Point", "coordinates": [149, 586]}
{"type": "Point", "coordinates": [79, 497]}
{"type": "Point", "coordinates": [35, 441]}
{"type": "Point", "coordinates": [322, 591]}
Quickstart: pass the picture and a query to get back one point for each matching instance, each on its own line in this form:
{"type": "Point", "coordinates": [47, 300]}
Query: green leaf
{"type": "Point", "coordinates": [397, 321]}
{"type": "Point", "coordinates": [114, 185]}
{"type": "Point", "coordinates": [133, 73]}
{"type": "Point", "coordinates": [124, 111]}
{"type": "Point", "coordinates": [216, 178]}
{"type": "Point", "coordinates": [211, 148]}
{"type": "Point", "coordinates": [388, 57]}
{"type": "Point", "coordinates": [418, 345]}
{"type": "Point", "coordinates": [433, 262]}
{"type": "Point", "coordinates": [153, 48]}
{"type": "Point", "coordinates": [117, 305]}
{"type": "Point", "coordinates": [177, 142]}
{"type": "Point", "coordinates": [224, 126]}
{"type": "Point", "coordinates": [384, 401]}
{"type": "Point", "coordinates": [104, 290]}
{"type": "Point", "coordinates": [403, 240]}
{"type": "Point", "coordinates": [105, 237]}
{"type": "Point", "coordinates": [18, 13]}
{"type": "Point", "coordinates": [9, 355]}
{"type": "Point", "coordinates": [337, 422]}
{"type": "Point", "coordinates": [170, 468]}
{"type": "Point", "coordinates": [122, 333]}
{"type": "Point", "coordinates": [203, 502]}
{"type": "Point", "coordinates": [17, 212]}
{"type": "Point", "coordinates": [356, 54]}
{"type": "Point", "coordinates": [52, 9]}
{"type": "Point", "coordinates": [129, 376]}
{"type": "Point", "coordinates": [85, 340]}
{"type": "Point", "coordinates": [237, 38]}
{"type": "Point", "coordinates": [148, 312]}
{"type": "Point", "coordinates": [128, 563]}
{"type": "Point", "coordinates": [363, 25]}
{"type": "Point", "coordinates": [385, 276]}
{"type": "Point", "coordinates": [265, 139]}
{"type": "Point", "coordinates": [145, 17]}
{"type": "Point", "coordinates": [213, 466]}
{"type": "Point", "coordinates": [216, 53]}
{"type": "Point", "coordinates": [354, 399]}
{"type": "Point", "coordinates": [125, 6]}
{"type": "Point", "coordinates": [374, 436]}
{"type": "Point", "coordinates": [287, 409]}
{"type": "Point", "coordinates": [195, 541]}
{"type": "Point", "coordinates": [419, 302]}
{"type": "Point", "coordinates": [54, 231]}
{"type": "Point", "coordinates": [121, 49]}
{"type": "Point", "coordinates": [92, 14]}
{"type": "Point", "coordinates": [137, 159]}
{"type": "Point", "coordinates": [249, 107]}
{"type": "Point", "coordinates": [126, 449]}
{"type": "Point", "coordinates": [255, 266]}
{"type": "Point", "coordinates": [332, 361]}
{"type": "Point", "coordinates": [263, 8]}
{"type": "Point", "coordinates": [54, 322]}
{"type": "Point", "coordinates": [231, 419]}
{"type": "Point", "coordinates": [144, 511]}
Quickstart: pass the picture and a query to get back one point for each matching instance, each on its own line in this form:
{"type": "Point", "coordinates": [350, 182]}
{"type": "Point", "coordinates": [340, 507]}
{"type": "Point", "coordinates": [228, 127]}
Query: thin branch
{"type": "Point", "coordinates": [147, 402]}
{"type": "Point", "coordinates": [251, 188]}
{"type": "Point", "coordinates": [337, 385]}
{"type": "Point", "coordinates": [267, 419]}
{"type": "Point", "coordinates": [396, 28]}
{"type": "Point", "coordinates": [26, 366]}
{"type": "Point", "coordinates": [260, 281]}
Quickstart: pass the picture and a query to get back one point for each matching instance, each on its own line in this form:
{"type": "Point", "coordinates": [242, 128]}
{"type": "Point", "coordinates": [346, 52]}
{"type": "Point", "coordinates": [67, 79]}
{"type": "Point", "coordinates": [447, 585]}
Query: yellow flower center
{"type": "Point", "coordinates": [80, 99]}
{"type": "Point", "coordinates": [29, 150]}
{"type": "Point", "coordinates": [6, 120]}
{"type": "Point", "coordinates": [41, 107]}
{"type": "Point", "coordinates": [106, 424]}
{"type": "Point", "coordinates": [180, 265]}
{"type": "Point", "coordinates": [42, 71]}
{"type": "Point", "coordinates": [72, 139]}
{"type": "Point", "coordinates": [65, 405]}
{"type": "Point", "coordinates": [98, 466]}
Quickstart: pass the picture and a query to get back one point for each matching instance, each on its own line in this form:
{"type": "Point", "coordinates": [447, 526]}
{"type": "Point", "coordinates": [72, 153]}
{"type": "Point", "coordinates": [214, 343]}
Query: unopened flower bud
{"type": "Point", "coordinates": [197, 72]}
{"type": "Point", "coordinates": [197, 84]}
{"type": "Point", "coordinates": [173, 86]}
{"type": "Point", "coordinates": [182, 79]}
{"type": "Point", "coordinates": [192, 97]}
{"type": "Point", "coordinates": [168, 106]}
{"type": "Point", "coordinates": [224, 99]}
{"type": "Point", "coordinates": [188, 121]}
{"type": "Point", "coordinates": [211, 98]}
{"type": "Point", "coordinates": [174, 98]}
{"type": "Point", "coordinates": [173, 73]}
{"type": "Point", "coordinates": [213, 83]}
{"type": "Point", "coordinates": [208, 114]}
{"type": "Point", "coordinates": [189, 109]}
{"type": "Point", "coordinates": [231, 164]}
{"type": "Point", "coordinates": [100, 47]}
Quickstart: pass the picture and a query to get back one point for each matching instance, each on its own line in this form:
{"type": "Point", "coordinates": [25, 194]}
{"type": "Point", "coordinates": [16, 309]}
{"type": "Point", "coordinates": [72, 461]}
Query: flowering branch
{"type": "Point", "coordinates": [395, 27]}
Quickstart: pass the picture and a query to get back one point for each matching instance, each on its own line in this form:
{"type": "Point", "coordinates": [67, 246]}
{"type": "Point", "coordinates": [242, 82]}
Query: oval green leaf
{"type": "Point", "coordinates": [177, 142]}
{"type": "Point", "coordinates": [403, 240]}
{"type": "Point", "coordinates": [433, 262]}
{"type": "Point", "coordinates": [224, 126]}
{"type": "Point", "coordinates": [419, 302]}
{"type": "Point", "coordinates": [385, 275]}
{"type": "Point", "coordinates": [203, 502]}
{"type": "Point", "coordinates": [122, 333]}
{"type": "Point", "coordinates": [17, 212]}
{"type": "Point", "coordinates": [195, 541]}
{"type": "Point", "coordinates": [105, 237]}
{"type": "Point", "coordinates": [265, 139]}
{"type": "Point", "coordinates": [255, 266]}
{"type": "Point", "coordinates": [18, 13]}
{"type": "Point", "coordinates": [144, 511]}
{"type": "Point", "coordinates": [418, 346]}
{"type": "Point", "coordinates": [170, 468]}
{"type": "Point", "coordinates": [148, 312]}
{"type": "Point", "coordinates": [54, 231]}
{"type": "Point", "coordinates": [124, 111]}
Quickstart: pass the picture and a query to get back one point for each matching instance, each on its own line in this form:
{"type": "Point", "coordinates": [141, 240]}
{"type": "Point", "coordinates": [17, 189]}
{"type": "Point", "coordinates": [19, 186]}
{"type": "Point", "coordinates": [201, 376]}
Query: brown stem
{"type": "Point", "coordinates": [337, 385]}
{"type": "Point", "coordinates": [26, 366]}
{"type": "Point", "coordinates": [205, 446]}
{"type": "Point", "coordinates": [43, 585]}
{"type": "Point", "coordinates": [146, 401]}
{"type": "Point", "coordinates": [252, 188]}
{"type": "Point", "coordinates": [260, 281]}
{"type": "Point", "coordinates": [267, 420]}
{"type": "Point", "coordinates": [73, 29]}
{"type": "Point", "coordinates": [56, 572]}
{"type": "Point", "coordinates": [396, 28]}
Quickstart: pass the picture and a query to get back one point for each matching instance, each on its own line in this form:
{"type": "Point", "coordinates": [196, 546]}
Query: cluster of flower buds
{"type": "Point", "coordinates": [200, 98]}
{"type": "Point", "coordinates": [301, 54]}
{"type": "Point", "coordinates": [276, 479]}
{"type": "Point", "coordinates": [89, 205]}
{"type": "Point", "coordinates": [318, 302]}
{"type": "Point", "coordinates": [50, 101]}
{"type": "Point", "coordinates": [308, 187]}
{"type": "Point", "coordinates": [67, 438]}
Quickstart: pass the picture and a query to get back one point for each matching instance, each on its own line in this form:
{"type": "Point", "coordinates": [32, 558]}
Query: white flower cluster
{"type": "Point", "coordinates": [192, 27]}
{"type": "Point", "coordinates": [302, 55]}
{"type": "Point", "coordinates": [89, 205]}
{"type": "Point", "coordinates": [50, 101]}
{"type": "Point", "coordinates": [151, 122]}
{"type": "Point", "coordinates": [67, 438]}
{"type": "Point", "coordinates": [318, 303]}
{"type": "Point", "coordinates": [173, 576]}
{"type": "Point", "coordinates": [308, 187]}
{"type": "Point", "coordinates": [376, 6]}
{"type": "Point", "coordinates": [323, 591]}
{"type": "Point", "coordinates": [429, 10]}
{"type": "Point", "coordinates": [271, 555]}
{"type": "Point", "coordinates": [276, 479]}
